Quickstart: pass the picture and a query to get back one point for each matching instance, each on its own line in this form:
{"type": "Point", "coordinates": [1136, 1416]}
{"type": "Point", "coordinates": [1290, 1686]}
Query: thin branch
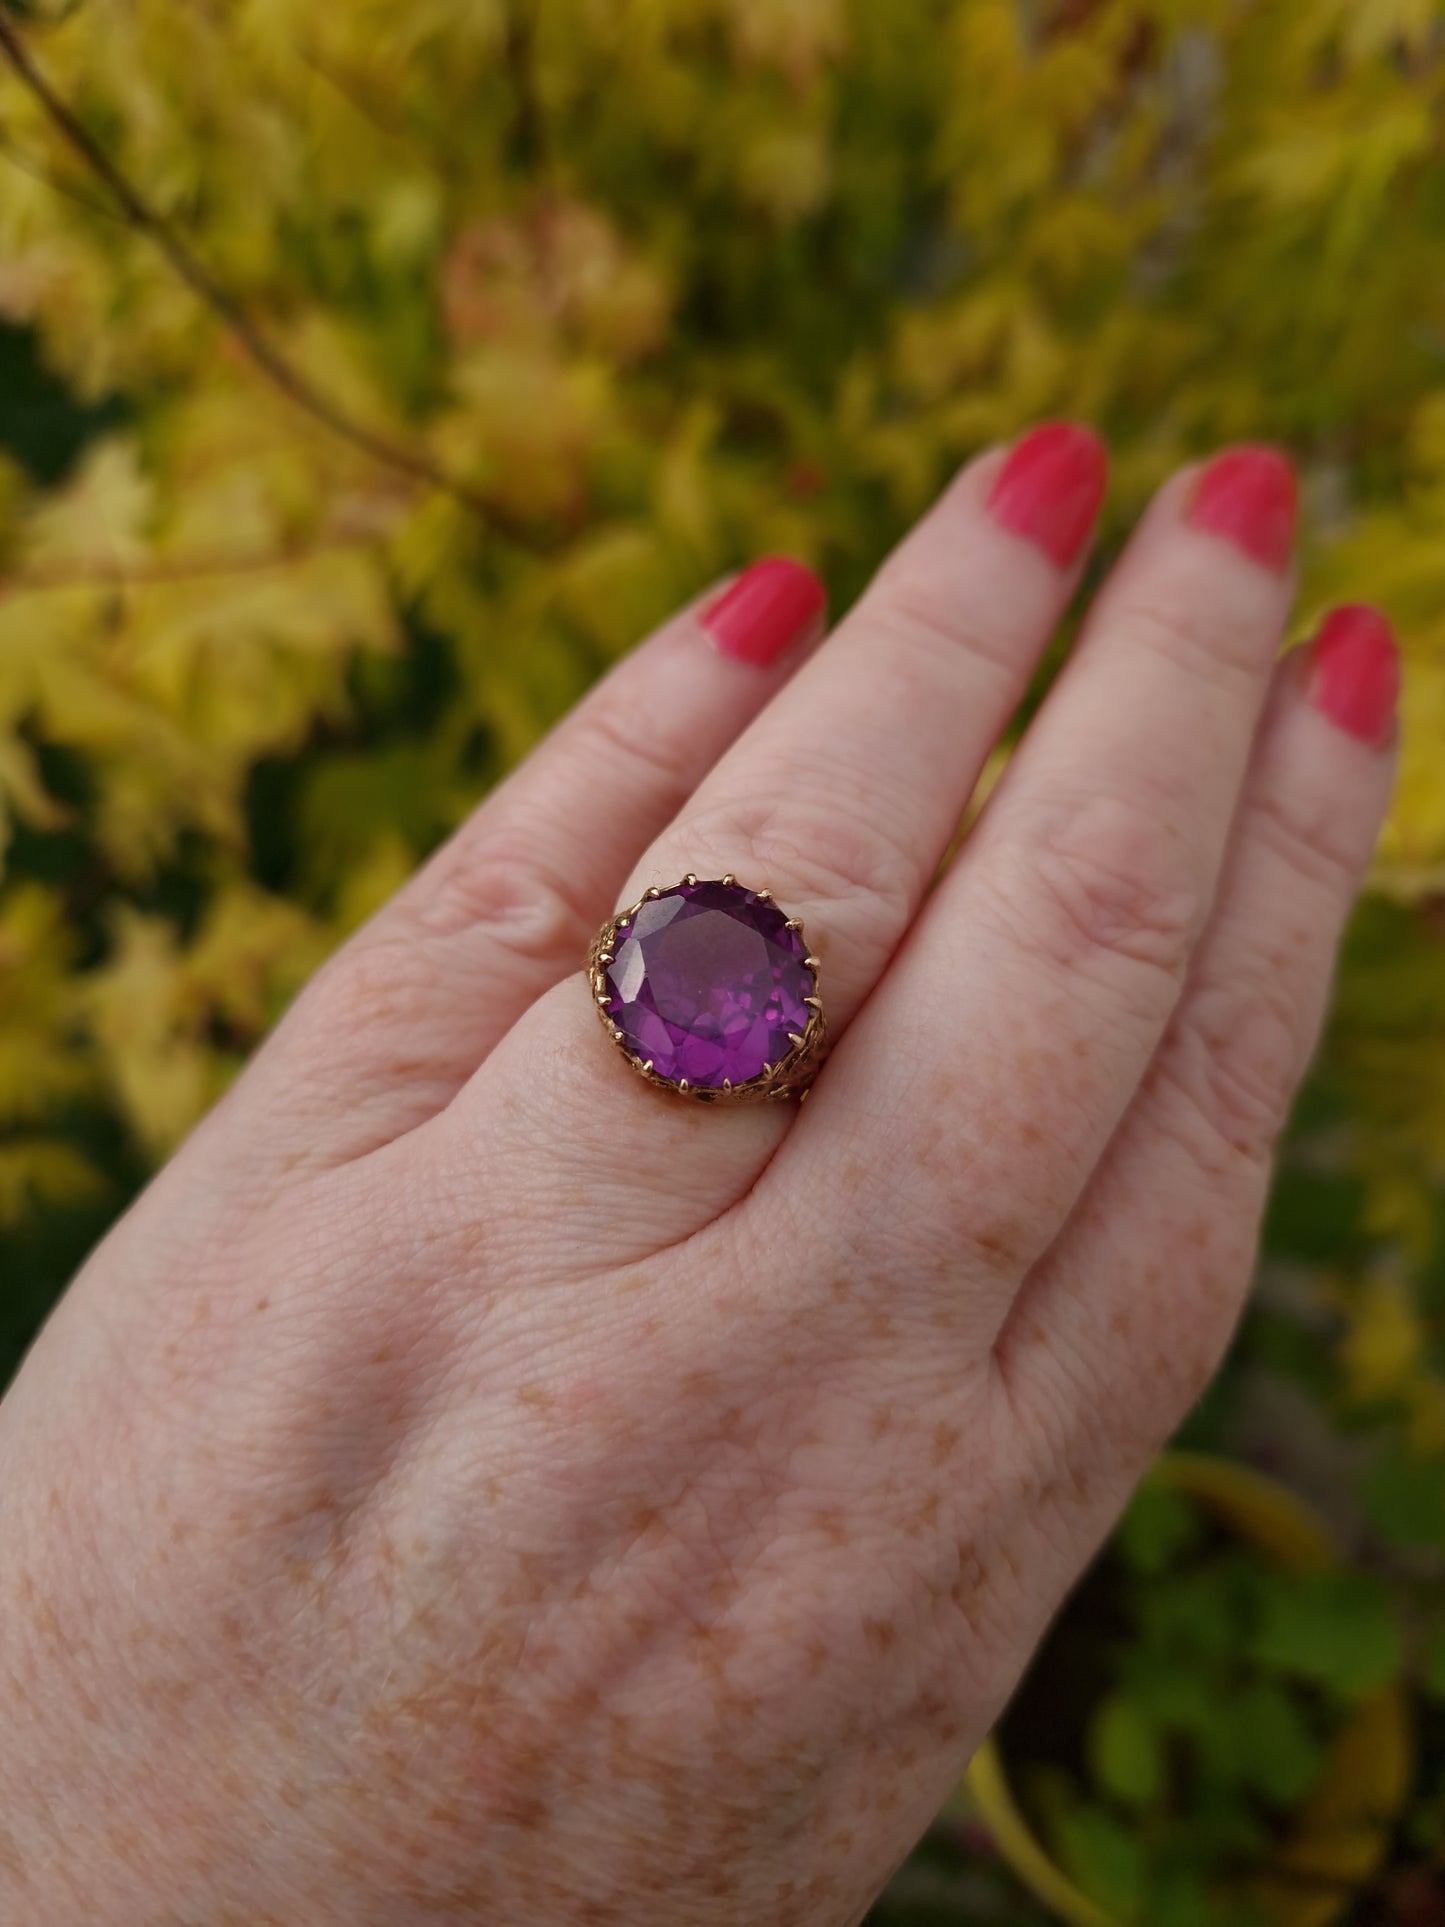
{"type": "Point", "coordinates": [200, 281]}
{"type": "Point", "coordinates": [56, 186]}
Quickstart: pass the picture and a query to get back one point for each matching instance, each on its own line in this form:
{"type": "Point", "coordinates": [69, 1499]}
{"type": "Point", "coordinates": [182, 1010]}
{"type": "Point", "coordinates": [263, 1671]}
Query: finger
{"type": "Point", "coordinates": [1121, 1326]}
{"type": "Point", "coordinates": [842, 796]}
{"type": "Point", "coordinates": [1007, 1039]}
{"type": "Point", "coordinates": [402, 1015]}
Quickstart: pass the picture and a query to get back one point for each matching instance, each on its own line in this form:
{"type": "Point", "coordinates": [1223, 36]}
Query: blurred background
{"type": "Point", "coordinates": [371, 376]}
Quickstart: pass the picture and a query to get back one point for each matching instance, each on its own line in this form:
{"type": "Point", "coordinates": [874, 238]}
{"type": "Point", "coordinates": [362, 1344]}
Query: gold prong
{"type": "Point", "coordinates": [727, 1083]}
{"type": "Point", "coordinates": [793, 923]}
{"type": "Point", "coordinates": [605, 957]}
{"type": "Point", "coordinates": [654, 891]}
{"type": "Point", "coordinates": [622, 922]}
{"type": "Point", "coordinates": [604, 998]}
{"type": "Point", "coordinates": [813, 1003]}
{"type": "Point", "coordinates": [763, 896]}
{"type": "Point", "coordinates": [683, 1085]}
{"type": "Point", "coordinates": [617, 1033]}
{"type": "Point", "coordinates": [691, 877]}
{"type": "Point", "coordinates": [648, 1065]}
{"type": "Point", "coordinates": [729, 878]}
{"type": "Point", "coordinates": [809, 963]}
{"type": "Point", "coordinates": [795, 1040]}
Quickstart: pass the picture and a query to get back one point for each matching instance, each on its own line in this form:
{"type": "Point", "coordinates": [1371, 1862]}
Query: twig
{"type": "Point", "coordinates": [200, 281]}
{"type": "Point", "coordinates": [56, 186]}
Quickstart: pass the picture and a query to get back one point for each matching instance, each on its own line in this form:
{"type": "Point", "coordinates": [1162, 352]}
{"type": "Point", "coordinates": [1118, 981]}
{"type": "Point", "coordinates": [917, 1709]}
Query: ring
{"type": "Point", "coordinates": [709, 990]}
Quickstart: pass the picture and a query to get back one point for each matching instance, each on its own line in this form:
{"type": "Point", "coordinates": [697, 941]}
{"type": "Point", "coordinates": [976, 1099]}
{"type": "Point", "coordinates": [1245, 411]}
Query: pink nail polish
{"type": "Point", "coordinates": [1051, 487]}
{"type": "Point", "coordinates": [772, 603]}
{"type": "Point", "coordinates": [1355, 673]}
{"type": "Point", "coordinates": [1250, 497]}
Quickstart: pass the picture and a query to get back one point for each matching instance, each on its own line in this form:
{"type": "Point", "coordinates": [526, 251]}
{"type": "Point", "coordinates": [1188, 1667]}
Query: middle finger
{"type": "Point", "coordinates": [841, 798]}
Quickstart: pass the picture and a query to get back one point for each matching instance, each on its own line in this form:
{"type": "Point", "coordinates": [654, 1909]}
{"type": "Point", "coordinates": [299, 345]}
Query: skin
{"type": "Point", "coordinates": [471, 1485]}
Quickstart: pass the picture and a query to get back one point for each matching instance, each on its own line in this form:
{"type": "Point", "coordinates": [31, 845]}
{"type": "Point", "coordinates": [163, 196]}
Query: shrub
{"type": "Point", "coordinates": [374, 374]}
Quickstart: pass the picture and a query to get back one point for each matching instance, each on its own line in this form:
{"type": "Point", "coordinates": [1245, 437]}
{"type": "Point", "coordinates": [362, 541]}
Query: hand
{"type": "Point", "coordinates": [472, 1485]}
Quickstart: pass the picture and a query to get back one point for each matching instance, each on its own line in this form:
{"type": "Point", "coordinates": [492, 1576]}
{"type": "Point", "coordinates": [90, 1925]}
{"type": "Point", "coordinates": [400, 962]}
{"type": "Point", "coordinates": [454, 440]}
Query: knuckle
{"type": "Point", "coordinates": [1229, 1071]}
{"type": "Point", "coordinates": [1310, 835]}
{"type": "Point", "coordinates": [815, 845]}
{"type": "Point", "coordinates": [1107, 881]}
{"type": "Point", "coordinates": [521, 906]}
{"type": "Point", "coordinates": [665, 751]}
{"type": "Point", "coordinates": [967, 1218]}
{"type": "Point", "coordinates": [1192, 626]}
{"type": "Point", "coordinates": [1046, 1402]}
{"type": "Point", "coordinates": [1167, 1379]}
{"type": "Point", "coordinates": [379, 983]}
{"type": "Point", "coordinates": [395, 976]}
{"type": "Point", "coordinates": [923, 610]}
{"type": "Point", "coordinates": [1114, 1397]}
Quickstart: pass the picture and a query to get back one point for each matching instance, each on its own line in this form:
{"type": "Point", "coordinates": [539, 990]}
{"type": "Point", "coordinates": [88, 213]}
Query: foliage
{"type": "Point", "coordinates": [374, 374]}
{"type": "Point", "coordinates": [1223, 1679]}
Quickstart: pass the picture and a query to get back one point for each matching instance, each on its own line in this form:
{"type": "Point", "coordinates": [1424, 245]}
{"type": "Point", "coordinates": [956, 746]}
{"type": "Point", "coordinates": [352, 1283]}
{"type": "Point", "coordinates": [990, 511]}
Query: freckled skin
{"type": "Point", "coordinates": [529, 1498]}
{"type": "Point", "coordinates": [575, 1660]}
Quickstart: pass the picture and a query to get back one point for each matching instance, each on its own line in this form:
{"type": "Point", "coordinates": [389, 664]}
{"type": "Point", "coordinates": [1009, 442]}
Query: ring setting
{"type": "Point", "coordinates": [709, 990]}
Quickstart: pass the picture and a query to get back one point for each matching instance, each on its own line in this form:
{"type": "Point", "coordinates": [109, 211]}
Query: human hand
{"type": "Point", "coordinates": [471, 1485]}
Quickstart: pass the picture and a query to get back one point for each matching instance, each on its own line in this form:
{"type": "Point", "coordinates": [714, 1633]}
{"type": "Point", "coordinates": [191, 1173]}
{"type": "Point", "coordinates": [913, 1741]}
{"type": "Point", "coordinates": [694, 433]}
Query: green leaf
{"type": "Point", "coordinates": [1124, 1752]}
{"type": "Point", "coordinates": [1405, 1498]}
{"type": "Point", "coordinates": [1177, 1699]}
{"type": "Point", "coordinates": [1105, 1859]}
{"type": "Point", "coordinates": [1200, 1613]}
{"type": "Point", "coordinates": [1158, 1526]}
{"type": "Point", "coordinates": [1335, 1628]}
{"type": "Point", "coordinates": [1279, 1754]}
{"type": "Point", "coordinates": [1181, 1898]}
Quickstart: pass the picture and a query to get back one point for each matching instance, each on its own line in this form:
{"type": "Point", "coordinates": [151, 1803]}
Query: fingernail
{"type": "Point", "coordinates": [1355, 673]}
{"type": "Point", "coordinates": [1249, 496]}
{"type": "Point", "coordinates": [772, 603]}
{"type": "Point", "coordinates": [1051, 487]}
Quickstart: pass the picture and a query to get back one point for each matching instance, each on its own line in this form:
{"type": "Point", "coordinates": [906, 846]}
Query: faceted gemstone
{"type": "Point", "coordinates": [706, 983]}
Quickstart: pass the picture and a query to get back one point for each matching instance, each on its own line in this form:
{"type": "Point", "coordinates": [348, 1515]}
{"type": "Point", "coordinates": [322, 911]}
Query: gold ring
{"type": "Point", "coordinates": [710, 990]}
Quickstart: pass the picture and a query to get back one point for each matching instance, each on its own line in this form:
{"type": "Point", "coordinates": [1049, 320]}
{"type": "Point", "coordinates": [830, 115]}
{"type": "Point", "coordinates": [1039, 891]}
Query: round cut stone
{"type": "Point", "coordinates": [706, 984]}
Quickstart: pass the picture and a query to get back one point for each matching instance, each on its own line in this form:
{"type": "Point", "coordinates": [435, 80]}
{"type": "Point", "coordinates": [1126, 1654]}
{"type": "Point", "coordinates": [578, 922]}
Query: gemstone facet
{"type": "Point", "coordinates": [708, 985]}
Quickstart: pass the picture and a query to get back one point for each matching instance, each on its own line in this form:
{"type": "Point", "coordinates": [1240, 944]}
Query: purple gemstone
{"type": "Point", "coordinates": [707, 981]}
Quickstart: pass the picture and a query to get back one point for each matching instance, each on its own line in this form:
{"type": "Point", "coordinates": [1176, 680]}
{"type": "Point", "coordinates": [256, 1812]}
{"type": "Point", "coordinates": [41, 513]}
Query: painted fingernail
{"type": "Point", "coordinates": [772, 603]}
{"type": "Point", "coordinates": [1355, 673]}
{"type": "Point", "coordinates": [1051, 487]}
{"type": "Point", "coordinates": [1249, 495]}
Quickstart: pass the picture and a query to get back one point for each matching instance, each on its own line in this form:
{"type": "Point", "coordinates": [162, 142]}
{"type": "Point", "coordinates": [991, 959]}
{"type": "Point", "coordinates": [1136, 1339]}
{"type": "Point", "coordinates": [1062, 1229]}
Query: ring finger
{"type": "Point", "coordinates": [842, 796]}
